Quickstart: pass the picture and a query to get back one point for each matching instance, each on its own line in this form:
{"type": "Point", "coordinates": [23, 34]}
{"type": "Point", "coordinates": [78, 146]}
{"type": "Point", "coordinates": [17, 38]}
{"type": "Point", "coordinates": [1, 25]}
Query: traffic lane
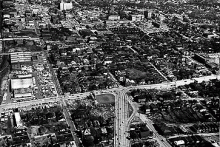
{"type": "Point", "coordinates": [28, 103]}
{"type": "Point", "coordinates": [149, 124]}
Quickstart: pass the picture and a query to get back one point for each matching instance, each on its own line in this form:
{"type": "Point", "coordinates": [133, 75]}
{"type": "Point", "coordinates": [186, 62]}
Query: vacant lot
{"type": "Point", "coordinates": [105, 98]}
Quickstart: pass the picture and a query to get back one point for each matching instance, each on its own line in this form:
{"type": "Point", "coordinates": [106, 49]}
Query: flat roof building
{"type": "Point", "coordinates": [18, 119]}
{"type": "Point", "coordinates": [21, 83]}
{"type": "Point", "coordinates": [22, 93]}
{"type": "Point", "coordinates": [19, 57]}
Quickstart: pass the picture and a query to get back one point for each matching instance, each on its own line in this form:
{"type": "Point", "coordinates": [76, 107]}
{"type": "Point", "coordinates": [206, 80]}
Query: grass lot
{"type": "Point", "coordinates": [130, 109]}
{"type": "Point", "coordinates": [135, 74]}
{"type": "Point", "coordinates": [105, 98]}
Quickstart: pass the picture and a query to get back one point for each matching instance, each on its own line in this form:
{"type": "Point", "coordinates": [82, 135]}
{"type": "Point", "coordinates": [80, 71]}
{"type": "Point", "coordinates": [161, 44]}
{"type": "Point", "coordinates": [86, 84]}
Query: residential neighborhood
{"type": "Point", "coordinates": [109, 73]}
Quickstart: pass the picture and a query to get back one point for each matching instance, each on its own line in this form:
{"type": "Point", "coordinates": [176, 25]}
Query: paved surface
{"type": "Point", "coordinates": [19, 38]}
{"type": "Point", "coordinates": [70, 123]}
{"type": "Point", "coordinates": [33, 52]}
{"type": "Point", "coordinates": [123, 120]}
{"type": "Point", "coordinates": [121, 108]}
{"type": "Point", "coordinates": [160, 139]}
{"type": "Point", "coordinates": [135, 110]}
{"type": "Point", "coordinates": [119, 120]}
{"type": "Point", "coordinates": [153, 86]}
{"type": "Point", "coordinates": [28, 103]}
{"type": "Point", "coordinates": [158, 71]}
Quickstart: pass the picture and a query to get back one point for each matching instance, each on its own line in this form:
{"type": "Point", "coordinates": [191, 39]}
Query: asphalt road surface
{"type": "Point", "coordinates": [160, 139]}
{"type": "Point", "coordinates": [121, 119]}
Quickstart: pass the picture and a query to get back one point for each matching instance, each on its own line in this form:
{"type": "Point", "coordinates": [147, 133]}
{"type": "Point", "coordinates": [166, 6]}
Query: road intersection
{"type": "Point", "coordinates": [122, 120]}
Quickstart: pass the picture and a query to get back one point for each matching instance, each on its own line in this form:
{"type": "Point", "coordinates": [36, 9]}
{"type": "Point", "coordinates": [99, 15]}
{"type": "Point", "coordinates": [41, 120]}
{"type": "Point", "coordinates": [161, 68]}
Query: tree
{"type": "Point", "coordinates": [143, 108]}
{"type": "Point", "coordinates": [88, 141]}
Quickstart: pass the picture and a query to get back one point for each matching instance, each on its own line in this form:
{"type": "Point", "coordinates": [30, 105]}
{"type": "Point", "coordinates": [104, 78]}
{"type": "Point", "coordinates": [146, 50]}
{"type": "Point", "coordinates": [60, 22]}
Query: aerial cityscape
{"type": "Point", "coordinates": [110, 73]}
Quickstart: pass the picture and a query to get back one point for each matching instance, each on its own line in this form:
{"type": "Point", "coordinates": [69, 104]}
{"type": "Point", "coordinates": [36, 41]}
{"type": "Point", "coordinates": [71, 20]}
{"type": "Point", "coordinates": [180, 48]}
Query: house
{"type": "Point", "coordinates": [114, 17]}
{"type": "Point", "coordinates": [28, 13]}
{"type": "Point", "coordinates": [137, 17]}
{"type": "Point", "coordinates": [103, 130]}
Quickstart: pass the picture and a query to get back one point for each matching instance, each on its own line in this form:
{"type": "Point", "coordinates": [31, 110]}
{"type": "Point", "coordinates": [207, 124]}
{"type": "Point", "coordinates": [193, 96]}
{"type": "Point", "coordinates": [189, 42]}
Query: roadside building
{"type": "Point", "coordinates": [137, 17]}
{"type": "Point", "coordinates": [18, 119]}
{"type": "Point", "coordinates": [20, 57]}
{"type": "Point", "coordinates": [114, 17]}
{"type": "Point", "coordinates": [65, 6]}
{"type": "Point", "coordinates": [22, 88]}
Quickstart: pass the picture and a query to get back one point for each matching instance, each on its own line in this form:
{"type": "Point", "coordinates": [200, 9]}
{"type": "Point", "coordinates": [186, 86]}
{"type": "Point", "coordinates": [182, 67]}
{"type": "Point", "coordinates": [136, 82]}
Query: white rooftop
{"type": "Point", "coordinates": [20, 57]}
{"type": "Point", "coordinates": [21, 83]}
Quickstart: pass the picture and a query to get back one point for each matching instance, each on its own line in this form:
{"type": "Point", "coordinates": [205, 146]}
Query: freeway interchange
{"type": "Point", "coordinates": [122, 118]}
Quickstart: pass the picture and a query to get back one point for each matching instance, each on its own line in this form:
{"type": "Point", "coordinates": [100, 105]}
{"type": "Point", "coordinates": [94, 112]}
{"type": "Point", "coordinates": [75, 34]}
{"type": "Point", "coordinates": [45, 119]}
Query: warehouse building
{"type": "Point", "coordinates": [20, 57]}
{"type": "Point", "coordinates": [22, 88]}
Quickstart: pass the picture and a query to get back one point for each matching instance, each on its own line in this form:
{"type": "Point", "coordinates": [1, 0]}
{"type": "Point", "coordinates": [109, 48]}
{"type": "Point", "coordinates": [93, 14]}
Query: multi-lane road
{"type": "Point", "coordinates": [120, 119]}
{"type": "Point", "coordinates": [123, 120]}
{"type": "Point", "coordinates": [165, 85]}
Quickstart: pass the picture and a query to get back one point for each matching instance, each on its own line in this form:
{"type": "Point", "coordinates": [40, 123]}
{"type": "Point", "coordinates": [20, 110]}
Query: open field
{"type": "Point", "coordinates": [105, 98]}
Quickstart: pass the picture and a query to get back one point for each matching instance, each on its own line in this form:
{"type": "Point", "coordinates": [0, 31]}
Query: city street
{"type": "Point", "coordinates": [165, 85]}
{"type": "Point", "coordinates": [19, 38]}
{"type": "Point", "coordinates": [56, 49]}
{"type": "Point", "coordinates": [69, 121]}
{"type": "Point", "coordinates": [122, 121]}
{"type": "Point", "coordinates": [160, 139]}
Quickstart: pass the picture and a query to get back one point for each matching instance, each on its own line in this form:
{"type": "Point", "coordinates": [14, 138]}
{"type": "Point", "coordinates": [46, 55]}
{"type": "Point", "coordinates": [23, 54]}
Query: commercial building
{"type": "Point", "coordinates": [21, 83]}
{"type": "Point", "coordinates": [20, 57]}
{"type": "Point", "coordinates": [137, 17]}
{"type": "Point", "coordinates": [18, 119]}
{"type": "Point", "coordinates": [22, 93]}
{"type": "Point", "coordinates": [22, 88]}
{"type": "Point", "coordinates": [65, 6]}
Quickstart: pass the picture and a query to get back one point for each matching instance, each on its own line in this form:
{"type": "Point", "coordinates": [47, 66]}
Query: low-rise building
{"type": "Point", "coordinates": [137, 17]}
{"type": "Point", "coordinates": [114, 17]}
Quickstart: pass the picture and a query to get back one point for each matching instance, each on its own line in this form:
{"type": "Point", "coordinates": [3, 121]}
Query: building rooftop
{"type": "Point", "coordinates": [18, 57]}
{"type": "Point", "coordinates": [21, 83]}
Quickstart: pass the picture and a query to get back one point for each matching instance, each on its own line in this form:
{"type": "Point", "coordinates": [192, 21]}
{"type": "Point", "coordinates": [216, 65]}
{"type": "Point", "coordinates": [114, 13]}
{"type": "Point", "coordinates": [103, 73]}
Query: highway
{"type": "Point", "coordinates": [122, 122]}
{"type": "Point", "coordinates": [121, 119]}
{"type": "Point", "coordinates": [165, 85]}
